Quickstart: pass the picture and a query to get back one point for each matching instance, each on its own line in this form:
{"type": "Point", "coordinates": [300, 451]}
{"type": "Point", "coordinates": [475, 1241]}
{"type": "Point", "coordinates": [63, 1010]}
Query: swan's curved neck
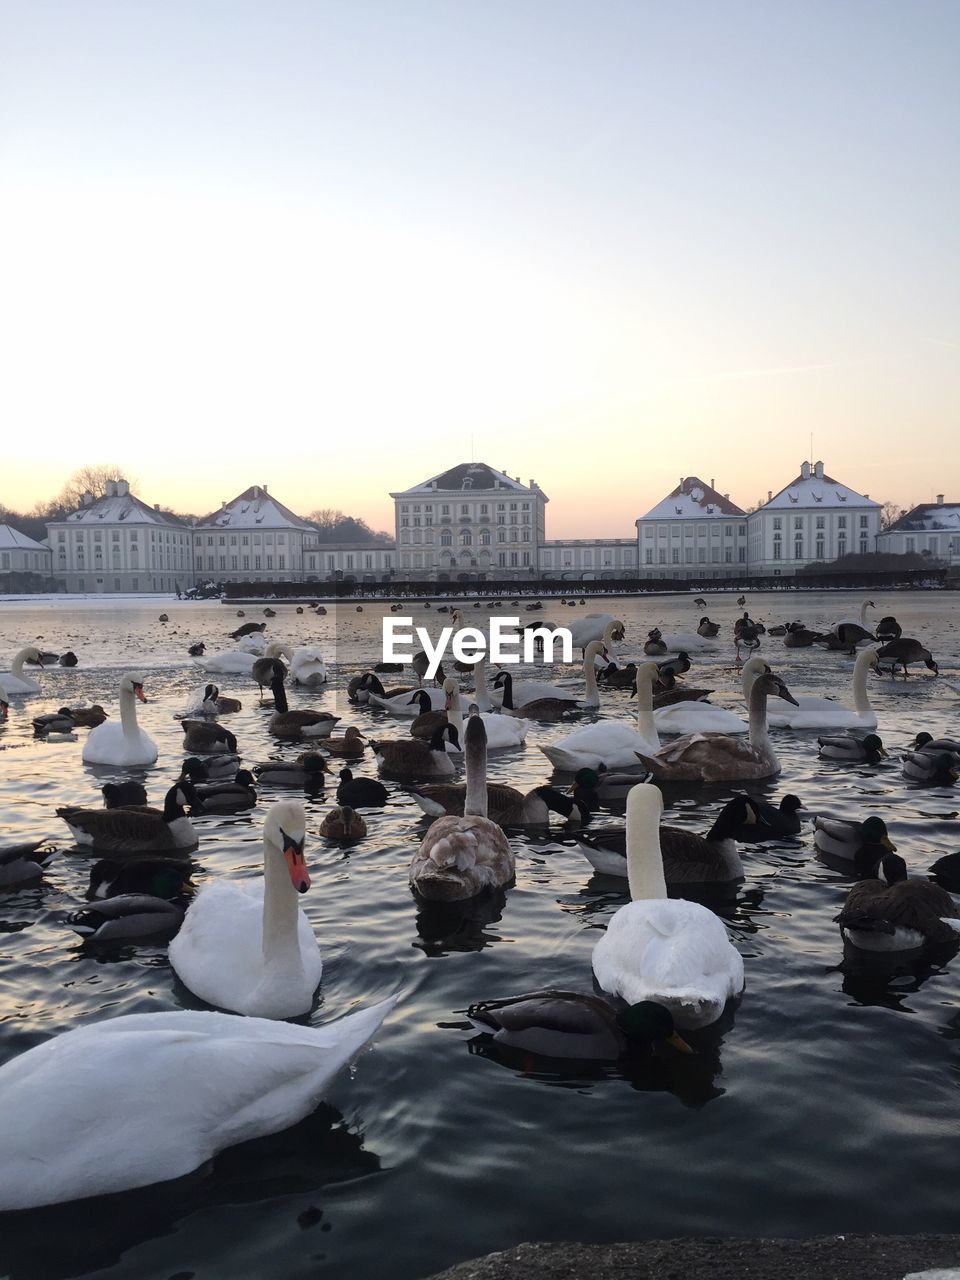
{"type": "Point", "coordinates": [475, 799]}
{"type": "Point", "coordinates": [16, 667]}
{"type": "Point", "coordinates": [646, 725]}
{"type": "Point", "coordinates": [863, 613]}
{"type": "Point", "coordinates": [591, 697]}
{"type": "Point", "coordinates": [455, 714]}
{"type": "Point", "coordinates": [281, 940]}
{"type": "Point", "coordinates": [482, 696]}
{"type": "Point", "coordinates": [861, 699]}
{"type": "Point", "coordinates": [644, 858]}
{"type": "Point", "coordinates": [759, 738]}
{"type": "Point", "coordinates": [128, 714]}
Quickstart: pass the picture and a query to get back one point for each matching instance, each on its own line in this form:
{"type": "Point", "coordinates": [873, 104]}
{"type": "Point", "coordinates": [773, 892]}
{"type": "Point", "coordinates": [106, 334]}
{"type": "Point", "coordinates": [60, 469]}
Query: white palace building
{"type": "Point", "coordinates": [475, 522]}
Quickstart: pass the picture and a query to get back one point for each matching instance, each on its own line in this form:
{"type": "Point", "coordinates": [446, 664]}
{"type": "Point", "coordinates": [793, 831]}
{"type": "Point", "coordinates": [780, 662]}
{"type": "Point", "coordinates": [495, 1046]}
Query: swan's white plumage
{"type": "Point", "coordinates": [307, 666]}
{"type": "Point", "coordinates": [144, 1098]}
{"type": "Point", "coordinates": [124, 743]}
{"type": "Point", "coordinates": [14, 682]}
{"type": "Point", "coordinates": [823, 713]}
{"type": "Point", "coordinates": [663, 949]}
{"type": "Point", "coordinates": [697, 717]}
{"type": "Point", "coordinates": [234, 661]}
{"type": "Point", "coordinates": [613, 744]}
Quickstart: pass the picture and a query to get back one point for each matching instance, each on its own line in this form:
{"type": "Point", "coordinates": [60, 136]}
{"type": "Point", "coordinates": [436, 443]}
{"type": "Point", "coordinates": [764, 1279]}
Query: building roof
{"type": "Point", "coordinates": [254, 509]}
{"type": "Point", "coordinates": [12, 539]}
{"type": "Point", "coordinates": [812, 488]}
{"type": "Point", "coordinates": [119, 505]}
{"type": "Point", "coordinates": [692, 499]}
{"type": "Point", "coordinates": [928, 517]}
{"type": "Point", "coordinates": [466, 476]}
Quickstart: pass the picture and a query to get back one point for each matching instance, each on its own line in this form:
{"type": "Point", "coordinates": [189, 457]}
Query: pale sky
{"type": "Point", "coordinates": [337, 248]}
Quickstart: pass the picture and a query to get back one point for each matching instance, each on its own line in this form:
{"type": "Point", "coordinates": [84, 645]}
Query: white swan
{"type": "Point", "coordinates": [231, 661]}
{"type": "Point", "coordinates": [657, 948]}
{"type": "Point", "coordinates": [524, 691]}
{"type": "Point", "coordinates": [860, 621]}
{"type": "Point", "coordinates": [591, 626]}
{"type": "Point", "coordinates": [821, 713]}
{"type": "Point", "coordinates": [697, 717]}
{"type": "Point", "coordinates": [254, 643]}
{"type": "Point", "coordinates": [307, 666]}
{"type": "Point", "coordinates": [611, 743]}
{"type": "Point", "coordinates": [144, 1098]}
{"type": "Point", "coordinates": [502, 731]}
{"type": "Point", "coordinates": [248, 947]}
{"type": "Point", "coordinates": [124, 743]}
{"type": "Point", "coordinates": [14, 681]}
{"type": "Point", "coordinates": [460, 857]}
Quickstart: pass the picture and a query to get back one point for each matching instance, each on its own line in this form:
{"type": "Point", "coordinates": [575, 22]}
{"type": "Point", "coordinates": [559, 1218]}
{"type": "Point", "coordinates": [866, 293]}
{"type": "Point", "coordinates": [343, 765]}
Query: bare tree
{"type": "Point", "coordinates": [92, 478]}
{"type": "Point", "coordinates": [890, 513]}
{"type": "Point", "coordinates": [326, 517]}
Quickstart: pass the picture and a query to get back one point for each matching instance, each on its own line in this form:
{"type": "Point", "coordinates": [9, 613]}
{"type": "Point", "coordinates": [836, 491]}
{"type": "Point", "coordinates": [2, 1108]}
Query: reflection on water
{"type": "Point", "coordinates": [869, 1054]}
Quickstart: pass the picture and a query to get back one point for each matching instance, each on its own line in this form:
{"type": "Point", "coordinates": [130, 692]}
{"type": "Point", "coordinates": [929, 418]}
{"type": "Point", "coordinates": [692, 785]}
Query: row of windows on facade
{"type": "Point", "coordinates": [5, 559]}
{"type": "Point", "coordinates": [511, 559]}
{"type": "Point", "coordinates": [465, 537]}
{"type": "Point", "coordinates": [701, 555]}
{"type": "Point", "coordinates": [426, 522]}
{"type": "Point", "coordinates": [133, 536]}
{"type": "Point", "coordinates": [427, 508]}
{"type": "Point", "coordinates": [819, 548]}
{"type": "Point", "coordinates": [701, 531]}
{"type": "Point", "coordinates": [799, 522]}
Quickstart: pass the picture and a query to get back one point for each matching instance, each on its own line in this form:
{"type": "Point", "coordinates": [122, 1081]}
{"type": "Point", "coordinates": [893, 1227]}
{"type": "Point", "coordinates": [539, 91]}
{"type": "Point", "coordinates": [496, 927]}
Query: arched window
{"type": "Point", "coordinates": [466, 538]}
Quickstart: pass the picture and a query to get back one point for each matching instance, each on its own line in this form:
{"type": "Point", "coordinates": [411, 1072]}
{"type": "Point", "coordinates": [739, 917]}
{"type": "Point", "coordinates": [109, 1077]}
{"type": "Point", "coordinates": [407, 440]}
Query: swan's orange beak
{"type": "Point", "coordinates": [138, 690]}
{"type": "Point", "coordinates": [296, 862]}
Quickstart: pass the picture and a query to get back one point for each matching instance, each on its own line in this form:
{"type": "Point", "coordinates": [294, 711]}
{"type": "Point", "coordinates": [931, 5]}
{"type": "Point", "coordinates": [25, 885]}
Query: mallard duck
{"type": "Point", "coordinates": [460, 857]}
{"type": "Point", "coordinates": [211, 768]}
{"type": "Point", "coordinates": [904, 651]}
{"type": "Point", "coordinates": [594, 786]}
{"type": "Point", "coordinates": [248, 947]}
{"type": "Point", "coordinates": [927, 742]}
{"type": "Point", "coordinates": [20, 862]}
{"type": "Point", "coordinates": [351, 746]}
{"type": "Point", "coordinates": [506, 806]}
{"type": "Point", "coordinates": [721, 757]}
{"type": "Point", "coordinates": [136, 830]}
{"type": "Point", "coordinates": [707, 629]}
{"type": "Point", "coordinates": [197, 650]}
{"type": "Point", "coordinates": [797, 636]}
{"type": "Point", "coordinates": [343, 823]}
{"type": "Point", "coordinates": [163, 618]}
{"type": "Point", "coordinates": [842, 838]}
{"type": "Point", "coordinates": [68, 659]}
{"type": "Point", "coordinates": [897, 913]}
{"type": "Point", "coordinates": [227, 796]}
{"type": "Point", "coordinates": [938, 769]}
{"type": "Point", "coordinates": [203, 736]}
{"type": "Point", "coordinates": [688, 858]}
{"type": "Point", "coordinates": [657, 948]}
{"type": "Point", "coordinates": [846, 749]}
{"type": "Point", "coordinates": [307, 771]}
{"type": "Point", "coordinates": [414, 758]}
{"type": "Point", "coordinates": [290, 725]}
{"type": "Point", "coordinates": [361, 793]}
{"type": "Point", "coordinates": [573, 1025]}
{"type": "Point", "coordinates": [211, 1080]}
{"type": "Point", "coordinates": [615, 677]}
{"type": "Point", "coordinates": [155, 877]}
{"type": "Point", "coordinates": [126, 917]}
{"type": "Point", "coordinates": [654, 645]}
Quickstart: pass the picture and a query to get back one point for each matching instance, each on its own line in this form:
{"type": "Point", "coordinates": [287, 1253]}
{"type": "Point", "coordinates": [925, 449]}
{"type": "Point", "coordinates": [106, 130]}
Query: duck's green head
{"type": "Point", "coordinates": [873, 746]}
{"type": "Point", "coordinates": [874, 831]}
{"type": "Point", "coordinates": [648, 1022]}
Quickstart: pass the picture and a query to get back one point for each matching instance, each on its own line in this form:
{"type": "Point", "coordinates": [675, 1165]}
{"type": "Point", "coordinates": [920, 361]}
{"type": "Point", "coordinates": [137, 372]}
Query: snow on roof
{"type": "Point", "coordinates": [812, 488]}
{"type": "Point", "coordinates": [693, 499]}
{"type": "Point", "coordinates": [466, 476]}
{"type": "Point", "coordinates": [254, 509]}
{"type": "Point", "coordinates": [13, 539]}
{"type": "Point", "coordinates": [928, 516]}
{"type": "Point", "coordinates": [117, 508]}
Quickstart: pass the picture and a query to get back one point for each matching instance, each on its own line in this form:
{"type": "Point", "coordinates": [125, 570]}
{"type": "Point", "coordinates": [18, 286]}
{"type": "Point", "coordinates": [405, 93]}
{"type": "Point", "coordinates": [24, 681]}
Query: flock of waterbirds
{"type": "Point", "coordinates": [664, 964]}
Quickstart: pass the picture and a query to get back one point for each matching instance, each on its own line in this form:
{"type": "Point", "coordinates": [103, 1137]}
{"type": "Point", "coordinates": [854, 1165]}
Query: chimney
{"type": "Point", "coordinates": [939, 499]}
{"type": "Point", "coordinates": [111, 489]}
{"type": "Point", "coordinates": [804, 470]}
{"type": "Point", "coordinates": [712, 482]}
{"type": "Point", "coordinates": [87, 499]}
{"type": "Point", "coordinates": [264, 488]}
{"type": "Point", "coordinates": [156, 506]}
{"type": "Point", "coordinates": [769, 495]}
{"type": "Point", "coordinates": [818, 470]}
{"type": "Point", "coordinates": [726, 497]}
{"type": "Point", "coordinates": [122, 488]}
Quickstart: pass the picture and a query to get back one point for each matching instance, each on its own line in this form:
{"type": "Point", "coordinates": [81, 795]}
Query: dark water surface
{"type": "Point", "coordinates": [828, 1101]}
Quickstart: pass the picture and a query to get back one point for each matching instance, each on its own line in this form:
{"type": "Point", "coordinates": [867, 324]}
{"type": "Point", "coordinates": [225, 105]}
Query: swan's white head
{"type": "Point", "coordinates": [868, 658]}
{"type": "Point", "coordinates": [593, 650]}
{"type": "Point", "coordinates": [752, 668]}
{"type": "Point", "coordinates": [284, 831]}
{"type": "Point", "coordinates": [647, 673]}
{"type": "Point", "coordinates": [132, 682]}
{"type": "Point", "coordinates": [31, 654]}
{"type": "Point", "coordinates": [450, 688]}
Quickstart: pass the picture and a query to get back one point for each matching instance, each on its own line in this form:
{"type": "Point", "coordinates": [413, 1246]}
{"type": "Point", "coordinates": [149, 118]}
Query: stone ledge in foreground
{"type": "Point", "coordinates": [842, 1257]}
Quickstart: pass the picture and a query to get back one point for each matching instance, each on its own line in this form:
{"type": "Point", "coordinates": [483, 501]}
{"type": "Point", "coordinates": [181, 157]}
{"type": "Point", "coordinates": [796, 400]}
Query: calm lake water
{"type": "Point", "coordinates": [826, 1102]}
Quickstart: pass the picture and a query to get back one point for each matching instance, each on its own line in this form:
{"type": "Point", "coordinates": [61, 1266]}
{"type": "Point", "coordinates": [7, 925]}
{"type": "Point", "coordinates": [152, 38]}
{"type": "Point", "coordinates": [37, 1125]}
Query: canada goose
{"type": "Point", "coordinates": [841, 838]}
{"type": "Point", "coordinates": [205, 737]}
{"type": "Point", "coordinates": [889, 628]}
{"type": "Point", "coordinates": [361, 793]}
{"type": "Point", "coordinates": [124, 743]}
{"type": "Point", "coordinates": [506, 806]}
{"type": "Point", "coordinates": [288, 724]}
{"type": "Point", "coordinates": [655, 948]}
{"type": "Point", "coordinates": [460, 857]}
{"type": "Point", "coordinates": [197, 650]}
{"type": "Point", "coordinates": [155, 877]}
{"type": "Point", "coordinates": [20, 862]}
{"type": "Point", "coordinates": [721, 757]}
{"type": "Point", "coordinates": [414, 758]}
{"type": "Point", "coordinates": [847, 749]}
{"type": "Point", "coordinates": [247, 629]}
{"type": "Point", "coordinates": [269, 668]}
{"type": "Point", "coordinates": [688, 858]}
{"type": "Point", "coordinates": [226, 796]}
{"type": "Point", "coordinates": [946, 871]}
{"type": "Point", "coordinates": [654, 646]}
{"type": "Point", "coordinates": [126, 917]}
{"type": "Point", "coordinates": [181, 1085]}
{"type": "Point", "coordinates": [707, 629]}
{"type": "Point", "coordinates": [903, 651]}
{"type": "Point", "coordinates": [307, 772]}
{"type": "Point", "coordinates": [343, 823]}
{"type": "Point", "coordinates": [894, 913]}
{"type": "Point", "coordinates": [208, 702]}
{"type": "Point", "coordinates": [388, 667]}
{"type": "Point", "coordinates": [369, 685]}
{"type": "Point", "coordinates": [546, 710]}
{"type": "Point", "coordinates": [14, 681]}
{"type": "Point", "coordinates": [400, 702]}
{"type": "Point", "coordinates": [135, 830]}
{"type": "Point", "coordinates": [938, 769]}
{"type": "Point", "coordinates": [572, 1025]}
{"type": "Point", "coordinates": [123, 795]}
{"type": "Point", "coordinates": [351, 746]}
{"type": "Point", "coordinates": [771, 822]}
{"type": "Point", "coordinates": [247, 946]}
{"type": "Point", "coordinates": [4, 708]}
{"type": "Point", "coordinates": [429, 720]}
{"type": "Point", "coordinates": [797, 636]}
